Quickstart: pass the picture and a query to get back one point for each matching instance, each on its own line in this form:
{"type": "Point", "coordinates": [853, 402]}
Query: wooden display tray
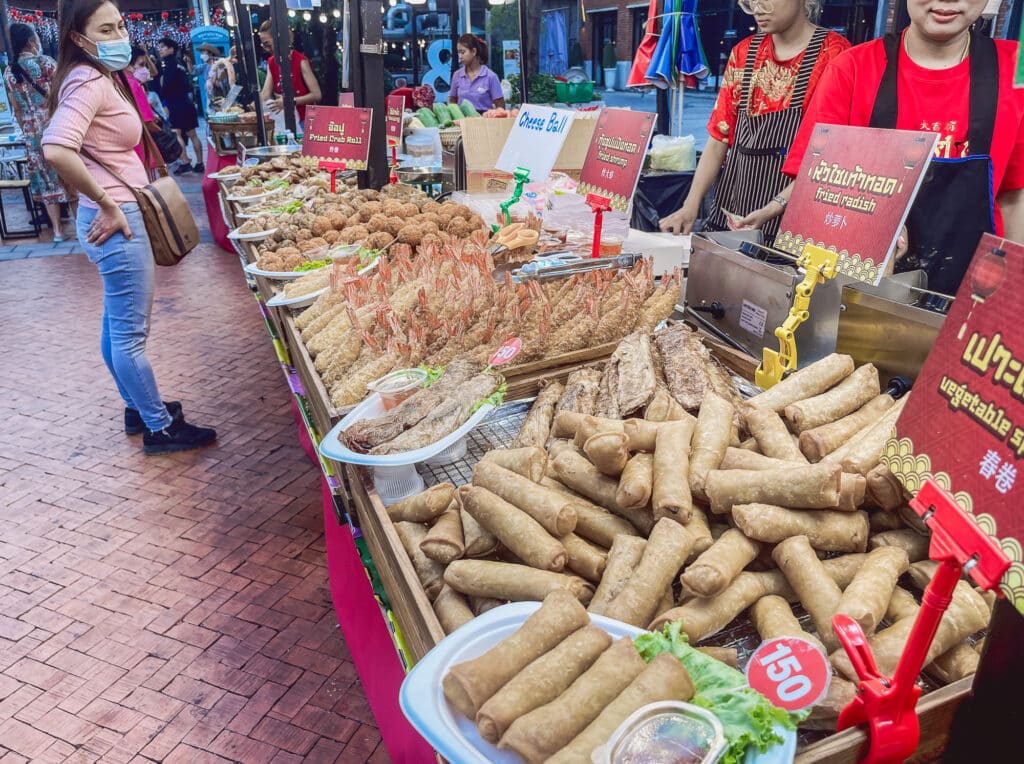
{"type": "Point", "coordinates": [318, 401]}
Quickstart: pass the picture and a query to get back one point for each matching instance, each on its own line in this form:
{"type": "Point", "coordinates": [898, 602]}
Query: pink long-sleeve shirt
{"type": "Point", "coordinates": [92, 114]}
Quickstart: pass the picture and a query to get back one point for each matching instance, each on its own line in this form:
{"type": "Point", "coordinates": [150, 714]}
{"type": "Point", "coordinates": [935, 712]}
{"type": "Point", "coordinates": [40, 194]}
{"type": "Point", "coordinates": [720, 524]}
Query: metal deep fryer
{"type": "Point", "coordinates": [741, 296]}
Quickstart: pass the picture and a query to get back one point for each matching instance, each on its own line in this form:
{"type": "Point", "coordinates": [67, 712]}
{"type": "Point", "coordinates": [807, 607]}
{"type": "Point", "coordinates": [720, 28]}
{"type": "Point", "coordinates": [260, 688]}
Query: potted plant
{"type": "Point", "coordinates": [608, 63]}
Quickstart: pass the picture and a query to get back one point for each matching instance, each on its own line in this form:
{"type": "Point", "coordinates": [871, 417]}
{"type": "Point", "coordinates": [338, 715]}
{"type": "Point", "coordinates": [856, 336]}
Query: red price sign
{"type": "Point", "coordinates": [791, 672]}
{"type": "Point", "coordinates": [509, 350]}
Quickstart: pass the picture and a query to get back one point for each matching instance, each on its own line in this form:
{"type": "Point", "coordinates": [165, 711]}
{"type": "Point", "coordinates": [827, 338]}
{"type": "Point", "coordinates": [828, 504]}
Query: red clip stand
{"type": "Point", "coordinates": [393, 179]}
{"type": "Point", "coordinates": [333, 168]}
{"type": "Point", "coordinates": [886, 705]}
{"type": "Point", "coordinates": [600, 205]}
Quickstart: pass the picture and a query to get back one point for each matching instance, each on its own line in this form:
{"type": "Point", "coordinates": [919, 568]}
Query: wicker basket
{"type": "Point", "coordinates": [449, 137]}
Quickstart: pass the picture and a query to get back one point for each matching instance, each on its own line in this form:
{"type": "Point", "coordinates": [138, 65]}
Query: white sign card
{"type": "Point", "coordinates": [536, 139]}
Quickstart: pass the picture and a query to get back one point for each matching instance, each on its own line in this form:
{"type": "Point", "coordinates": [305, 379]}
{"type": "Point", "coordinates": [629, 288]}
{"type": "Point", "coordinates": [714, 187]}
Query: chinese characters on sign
{"type": "Point", "coordinates": [616, 156]}
{"type": "Point", "coordinates": [338, 134]}
{"type": "Point", "coordinates": [394, 108]}
{"type": "Point", "coordinates": [855, 187]}
{"type": "Point", "coordinates": [964, 422]}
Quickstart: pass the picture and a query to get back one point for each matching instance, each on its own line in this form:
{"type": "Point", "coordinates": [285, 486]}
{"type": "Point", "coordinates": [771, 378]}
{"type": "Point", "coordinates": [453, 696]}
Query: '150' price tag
{"type": "Point", "coordinates": [508, 350]}
{"type": "Point", "coordinates": [791, 672]}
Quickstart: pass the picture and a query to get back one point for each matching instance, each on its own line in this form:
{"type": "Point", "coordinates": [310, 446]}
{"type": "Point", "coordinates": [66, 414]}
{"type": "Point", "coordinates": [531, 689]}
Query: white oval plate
{"type": "Point", "coordinates": [453, 735]}
{"type": "Point", "coordinates": [250, 236]}
{"type": "Point", "coordinates": [257, 197]}
{"type": "Point", "coordinates": [302, 301]}
{"type": "Point", "coordinates": [225, 175]}
{"type": "Point", "coordinates": [292, 275]}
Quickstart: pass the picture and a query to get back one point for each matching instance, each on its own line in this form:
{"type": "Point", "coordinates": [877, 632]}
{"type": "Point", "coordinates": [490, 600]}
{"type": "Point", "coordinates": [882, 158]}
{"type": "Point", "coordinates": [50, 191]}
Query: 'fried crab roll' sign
{"type": "Point", "coordinates": [338, 134]}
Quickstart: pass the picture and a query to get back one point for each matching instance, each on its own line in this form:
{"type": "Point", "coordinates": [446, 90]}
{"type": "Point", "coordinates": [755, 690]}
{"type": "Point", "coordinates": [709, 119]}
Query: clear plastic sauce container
{"type": "Point", "coordinates": [397, 386]}
{"type": "Point", "coordinates": [669, 732]}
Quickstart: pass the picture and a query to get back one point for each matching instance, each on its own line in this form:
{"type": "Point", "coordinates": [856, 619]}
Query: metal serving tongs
{"type": "Point", "coordinates": [513, 237]}
{"type": "Point", "coordinates": [584, 265]}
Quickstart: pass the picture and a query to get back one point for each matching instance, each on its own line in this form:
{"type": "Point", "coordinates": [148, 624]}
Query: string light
{"type": "Point", "coordinates": [291, 13]}
{"type": "Point", "coordinates": [323, 18]}
{"type": "Point", "coordinates": [336, 13]}
{"type": "Point", "coordinates": [307, 16]}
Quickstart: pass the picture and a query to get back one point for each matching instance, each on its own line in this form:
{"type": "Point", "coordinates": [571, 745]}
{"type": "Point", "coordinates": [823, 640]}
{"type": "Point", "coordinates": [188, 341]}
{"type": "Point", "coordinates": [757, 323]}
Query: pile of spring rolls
{"type": "Point", "coordinates": [699, 515]}
{"type": "Point", "coordinates": [558, 687]}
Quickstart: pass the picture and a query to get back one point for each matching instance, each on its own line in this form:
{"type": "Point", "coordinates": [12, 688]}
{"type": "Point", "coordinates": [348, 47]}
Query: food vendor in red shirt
{"type": "Point", "coordinates": [938, 76]}
{"type": "Point", "coordinates": [767, 83]}
{"type": "Point", "coordinates": [304, 84]}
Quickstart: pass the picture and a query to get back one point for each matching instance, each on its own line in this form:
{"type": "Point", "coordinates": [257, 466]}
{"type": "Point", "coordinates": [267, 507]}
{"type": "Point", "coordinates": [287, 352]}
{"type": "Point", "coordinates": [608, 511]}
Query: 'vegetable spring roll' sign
{"type": "Point", "coordinates": [535, 140]}
{"type": "Point", "coordinates": [338, 134]}
{"type": "Point", "coordinates": [616, 156]}
{"type": "Point", "coordinates": [964, 422]}
{"type": "Point", "coordinates": [853, 193]}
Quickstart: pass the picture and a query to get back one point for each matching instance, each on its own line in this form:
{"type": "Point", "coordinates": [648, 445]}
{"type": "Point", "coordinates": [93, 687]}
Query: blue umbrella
{"type": "Point", "coordinates": [661, 71]}
{"type": "Point", "coordinates": [690, 59]}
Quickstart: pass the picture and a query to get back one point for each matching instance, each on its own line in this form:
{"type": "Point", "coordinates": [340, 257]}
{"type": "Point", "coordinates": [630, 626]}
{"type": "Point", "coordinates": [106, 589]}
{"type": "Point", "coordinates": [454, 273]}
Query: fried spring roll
{"type": "Point", "coordinates": [842, 569]}
{"type": "Point", "coordinates": [664, 408]}
{"type": "Point", "coordinates": [867, 597]}
{"type": "Point", "coordinates": [715, 569]}
{"type": "Point", "coordinates": [711, 437]}
{"type": "Point", "coordinates": [586, 479]}
{"type": "Point", "coordinates": [727, 655]}
{"type": "Point", "coordinates": [608, 452]}
{"type": "Point", "coordinates": [849, 395]}
{"type": "Point", "coordinates": [665, 553]}
{"type": "Point", "coordinates": [623, 558]}
{"type": "Point", "coordinates": [424, 506]}
{"type": "Point", "coordinates": [818, 443]}
{"type": "Point", "coordinates": [481, 605]}
{"type": "Point", "coordinates": [430, 573]}
{"type": "Point", "coordinates": [565, 424]}
{"type": "Point", "coordinates": [549, 728]}
{"type": "Point", "coordinates": [642, 434]}
{"type": "Point", "coordinates": [809, 381]}
{"type": "Point", "coordinates": [704, 617]}
{"type": "Point", "coordinates": [444, 541]}
{"type": "Point", "coordinates": [956, 663]}
{"type": "Point", "coordinates": [515, 583]}
{"type": "Point", "coordinates": [901, 605]}
{"type": "Point", "coordinates": [882, 521]}
{"type": "Point", "coordinates": [886, 646]}
{"type": "Point", "coordinates": [520, 533]}
{"type": "Point", "coordinates": [885, 489]}
{"type": "Point", "coordinates": [773, 439]}
{"type": "Point", "coordinates": [451, 609]}
{"type": "Point", "coordinates": [814, 486]}
{"type": "Point", "coordinates": [907, 539]}
{"type": "Point", "coordinates": [664, 679]}
{"type": "Point", "coordinates": [700, 529]}
{"type": "Point", "coordinates": [742, 459]}
{"type": "Point", "coordinates": [467, 686]}
{"type": "Point", "coordinates": [852, 490]}
{"type": "Point", "coordinates": [541, 681]}
{"type": "Point", "coordinates": [528, 461]}
{"type": "Point", "coordinates": [634, 491]}
{"type": "Point", "coordinates": [825, 714]}
{"type": "Point", "coordinates": [589, 426]}
{"type": "Point", "coordinates": [585, 559]}
{"type": "Point", "coordinates": [773, 617]}
{"type": "Point", "coordinates": [555, 513]}
{"type": "Point", "coordinates": [818, 593]}
{"type": "Point", "coordinates": [536, 427]}
{"type": "Point", "coordinates": [670, 491]}
{"type": "Point", "coordinates": [750, 444]}
{"type": "Point", "coordinates": [863, 451]}
{"type": "Point", "coordinates": [480, 542]}
{"type": "Point", "coordinates": [828, 530]}
{"type": "Point", "coordinates": [593, 523]}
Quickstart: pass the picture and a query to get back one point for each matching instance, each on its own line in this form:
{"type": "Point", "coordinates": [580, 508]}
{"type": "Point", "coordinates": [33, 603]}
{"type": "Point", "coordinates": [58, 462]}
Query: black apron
{"type": "Point", "coordinates": [955, 204]}
{"type": "Point", "coordinates": [753, 172]}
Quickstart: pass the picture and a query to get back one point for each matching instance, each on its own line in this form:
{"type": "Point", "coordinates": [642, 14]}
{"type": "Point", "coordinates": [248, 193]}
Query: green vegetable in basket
{"type": "Point", "coordinates": [747, 716]}
{"type": "Point", "coordinates": [468, 110]}
{"type": "Point", "coordinates": [455, 112]}
{"type": "Point", "coordinates": [444, 117]}
{"type": "Point", "coordinates": [426, 116]}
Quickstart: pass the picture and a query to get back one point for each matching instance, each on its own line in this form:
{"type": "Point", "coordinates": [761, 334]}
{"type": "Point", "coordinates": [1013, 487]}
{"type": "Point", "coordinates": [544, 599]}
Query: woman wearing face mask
{"type": "Point", "coordinates": [939, 76]}
{"type": "Point", "coordinates": [474, 82]}
{"type": "Point", "coordinates": [28, 81]}
{"type": "Point", "coordinates": [767, 83]}
{"type": "Point", "coordinates": [138, 75]}
{"type": "Point", "coordinates": [94, 125]}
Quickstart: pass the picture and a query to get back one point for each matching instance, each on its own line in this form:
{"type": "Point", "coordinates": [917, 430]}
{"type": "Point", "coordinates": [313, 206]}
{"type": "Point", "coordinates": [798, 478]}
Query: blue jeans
{"type": "Point", "coordinates": [126, 266]}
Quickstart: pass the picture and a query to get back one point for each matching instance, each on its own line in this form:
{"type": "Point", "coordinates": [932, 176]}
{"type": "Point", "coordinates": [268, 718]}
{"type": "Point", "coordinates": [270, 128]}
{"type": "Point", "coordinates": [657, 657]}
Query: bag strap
{"type": "Point", "coordinates": [105, 166]}
{"type": "Point", "coordinates": [154, 159]}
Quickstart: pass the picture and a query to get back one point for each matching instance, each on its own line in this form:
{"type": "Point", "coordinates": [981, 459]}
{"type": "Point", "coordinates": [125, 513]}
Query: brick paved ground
{"type": "Point", "coordinates": [169, 608]}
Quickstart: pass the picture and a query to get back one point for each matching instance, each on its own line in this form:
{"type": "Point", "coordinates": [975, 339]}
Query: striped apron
{"type": "Point", "coordinates": [753, 170]}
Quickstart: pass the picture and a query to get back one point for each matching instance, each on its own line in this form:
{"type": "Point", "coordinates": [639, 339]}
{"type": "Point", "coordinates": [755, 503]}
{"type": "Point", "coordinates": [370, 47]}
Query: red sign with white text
{"type": "Point", "coordinates": [346, 99]}
{"type": "Point", "coordinates": [853, 193]}
{"type": "Point", "coordinates": [338, 134]}
{"type": "Point", "coordinates": [616, 156]}
{"type": "Point", "coordinates": [506, 352]}
{"type": "Point", "coordinates": [394, 107]}
{"type": "Point", "coordinates": [964, 422]}
{"type": "Point", "coordinates": [791, 672]}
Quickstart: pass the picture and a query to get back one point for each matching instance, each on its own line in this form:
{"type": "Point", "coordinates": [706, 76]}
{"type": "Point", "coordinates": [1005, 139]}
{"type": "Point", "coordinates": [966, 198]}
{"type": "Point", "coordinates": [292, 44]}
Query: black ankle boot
{"type": "Point", "coordinates": [178, 436]}
{"type": "Point", "coordinates": [133, 424]}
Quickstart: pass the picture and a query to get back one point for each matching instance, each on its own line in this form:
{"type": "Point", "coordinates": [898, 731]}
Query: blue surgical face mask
{"type": "Point", "coordinates": [113, 55]}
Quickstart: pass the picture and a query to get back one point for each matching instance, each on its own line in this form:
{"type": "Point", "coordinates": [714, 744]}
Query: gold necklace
{"type": "Point", "coordinates": [963, 55]}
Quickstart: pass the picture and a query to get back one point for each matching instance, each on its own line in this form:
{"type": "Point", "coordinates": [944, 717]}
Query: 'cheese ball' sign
{"type": "Point", "coordinates": [338, 134]}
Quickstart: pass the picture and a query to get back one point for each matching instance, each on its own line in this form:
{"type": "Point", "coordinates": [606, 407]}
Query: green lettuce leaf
{"type": "Point", "coordinates": [433, 374]}
{"type": "Point", "coordinates": [747, 716]}
{"type": "Point", "coordinates": [494, 399]}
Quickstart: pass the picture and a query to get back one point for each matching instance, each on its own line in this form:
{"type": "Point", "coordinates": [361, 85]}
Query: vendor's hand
{"type": "Point", "coordinates": [108, 221]}
{"type": "Point", "coordinates": [679, 222]}
{"type": "Point", "coordinates": [902, 243]}
{"type": "Point", "coordinates": [756, 220]}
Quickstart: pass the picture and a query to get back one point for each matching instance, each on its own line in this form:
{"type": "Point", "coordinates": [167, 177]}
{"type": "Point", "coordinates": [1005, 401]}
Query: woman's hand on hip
{"type": "Point", "coordinates": [108, 221]}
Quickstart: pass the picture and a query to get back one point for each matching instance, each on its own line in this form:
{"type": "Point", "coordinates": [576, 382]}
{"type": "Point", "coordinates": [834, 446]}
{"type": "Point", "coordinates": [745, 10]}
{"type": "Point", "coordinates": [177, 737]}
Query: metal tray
{"type": "Point", "coordinates": [425, 174]}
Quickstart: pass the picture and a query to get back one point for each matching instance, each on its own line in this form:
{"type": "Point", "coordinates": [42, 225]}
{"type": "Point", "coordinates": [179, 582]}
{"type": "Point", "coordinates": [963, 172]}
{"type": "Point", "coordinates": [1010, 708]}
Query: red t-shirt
{"type": "Point", "coordinates": [771, 84]}
{"type": "Point", "coordinates": [929, 100]}
{"type": "Point", "coordinates": [298, 83]}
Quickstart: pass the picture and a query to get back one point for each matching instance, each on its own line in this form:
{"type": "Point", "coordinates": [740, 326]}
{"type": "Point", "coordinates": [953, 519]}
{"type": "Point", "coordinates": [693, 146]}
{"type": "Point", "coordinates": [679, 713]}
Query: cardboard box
{"type": "Point", "coordinates": [483, 140]}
